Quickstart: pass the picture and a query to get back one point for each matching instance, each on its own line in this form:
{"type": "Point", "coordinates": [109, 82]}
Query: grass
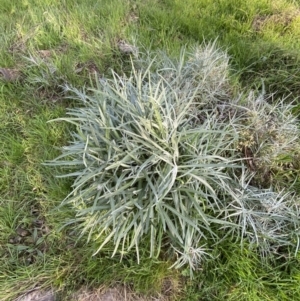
{"type": "Point", "coordinates": [81, 37]}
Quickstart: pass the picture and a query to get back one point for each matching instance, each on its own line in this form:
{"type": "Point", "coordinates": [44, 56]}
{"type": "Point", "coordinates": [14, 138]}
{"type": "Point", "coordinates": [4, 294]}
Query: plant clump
{"type": "Point", "coordinates": [169, 154]}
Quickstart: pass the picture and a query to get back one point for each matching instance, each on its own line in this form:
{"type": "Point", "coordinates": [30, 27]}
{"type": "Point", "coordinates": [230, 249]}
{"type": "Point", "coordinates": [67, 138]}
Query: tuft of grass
{"type": "Point", "coordinates": [163, 153]}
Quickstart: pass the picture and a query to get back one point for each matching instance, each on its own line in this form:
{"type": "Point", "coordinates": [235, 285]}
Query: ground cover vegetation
{"type": "Point", "coordinates": [185, 158]}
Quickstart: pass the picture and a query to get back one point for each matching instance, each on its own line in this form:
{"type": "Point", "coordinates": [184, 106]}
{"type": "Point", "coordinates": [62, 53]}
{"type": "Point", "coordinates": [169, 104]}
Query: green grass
{"type": "Point", "coordinates": [240, 275]}
{"type": "Point", "coordinates": [269, 53]}
{"type": "Point", "coordinates": [82, 38]}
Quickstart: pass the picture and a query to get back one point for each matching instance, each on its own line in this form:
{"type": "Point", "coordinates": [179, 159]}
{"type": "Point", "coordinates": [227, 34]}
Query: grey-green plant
{"type": "Point", "coordinates": [160, 153]}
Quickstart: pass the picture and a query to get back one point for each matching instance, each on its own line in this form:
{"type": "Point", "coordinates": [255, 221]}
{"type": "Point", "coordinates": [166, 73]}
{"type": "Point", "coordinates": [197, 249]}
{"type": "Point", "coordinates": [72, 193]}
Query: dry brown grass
{"type": "Point", "coordinates": [119, 293]}
{"type": "Point", "coordinates": [281, 18]}
{"type": "Point", "coordinates": [116, 293]}
{"type": "Point", "coordinates": [37, 295]}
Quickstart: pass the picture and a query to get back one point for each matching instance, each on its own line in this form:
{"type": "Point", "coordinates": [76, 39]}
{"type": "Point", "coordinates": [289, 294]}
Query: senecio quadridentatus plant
{"type": "Point", "coordinates": [169, 154]}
